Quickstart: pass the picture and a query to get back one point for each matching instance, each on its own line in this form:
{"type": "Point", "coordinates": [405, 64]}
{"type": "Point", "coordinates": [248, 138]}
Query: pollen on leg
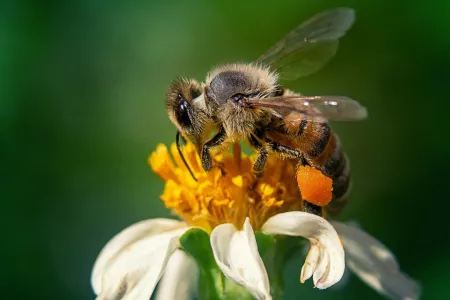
{"type": "Point", "coordinates": [315, 187]}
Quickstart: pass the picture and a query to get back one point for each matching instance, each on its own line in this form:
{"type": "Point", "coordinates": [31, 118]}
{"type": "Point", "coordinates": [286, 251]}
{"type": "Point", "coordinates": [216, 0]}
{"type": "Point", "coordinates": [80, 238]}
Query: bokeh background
{"type": "Point", "coordinates": [82, 87]}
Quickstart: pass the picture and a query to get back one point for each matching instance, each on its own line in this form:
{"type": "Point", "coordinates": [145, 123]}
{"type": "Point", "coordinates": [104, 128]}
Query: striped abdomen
{"type": "Point", "coordinates": [326, 154]}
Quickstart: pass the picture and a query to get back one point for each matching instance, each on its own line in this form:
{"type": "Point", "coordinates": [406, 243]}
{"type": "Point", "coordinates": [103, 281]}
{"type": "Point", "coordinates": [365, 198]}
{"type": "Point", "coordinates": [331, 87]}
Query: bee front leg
{"type": "Point", "coordinates": [218, 139]}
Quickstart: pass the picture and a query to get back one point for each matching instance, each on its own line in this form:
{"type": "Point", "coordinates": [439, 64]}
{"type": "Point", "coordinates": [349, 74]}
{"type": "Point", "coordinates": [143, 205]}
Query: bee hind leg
{"type": "Point", "coordinates": [312, 208]}
{"type": "Point", "coordinates": [295, 154]}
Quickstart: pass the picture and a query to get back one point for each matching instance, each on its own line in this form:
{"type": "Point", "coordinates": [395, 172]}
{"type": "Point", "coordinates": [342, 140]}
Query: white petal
{"type": "Point", "coordinates": [124, 239]}
{"type": "Point", "coordinates": [375, 264]}
{"type": "Point", "coordinates": [135, 268]}
{"type": "Point", "coordinates": [311, 263]}
{"type": "Point", "coordinates": [326, 259]}
{"type": "Point", "coordinates": [180, 278]}
{"type": "Point", "coordinates": [236, 254]}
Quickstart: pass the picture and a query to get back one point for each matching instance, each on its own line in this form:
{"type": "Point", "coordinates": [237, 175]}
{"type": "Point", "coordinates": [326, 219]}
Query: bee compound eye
{"type": "Point", "coordinates": [183, 115]}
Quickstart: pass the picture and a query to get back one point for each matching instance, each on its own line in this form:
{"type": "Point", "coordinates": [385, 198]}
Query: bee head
{"type": "Point", "coordinates": [188, 117]}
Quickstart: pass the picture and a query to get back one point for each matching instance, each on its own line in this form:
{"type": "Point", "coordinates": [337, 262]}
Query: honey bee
{"type": "Point", "coordinates": [246, 102]}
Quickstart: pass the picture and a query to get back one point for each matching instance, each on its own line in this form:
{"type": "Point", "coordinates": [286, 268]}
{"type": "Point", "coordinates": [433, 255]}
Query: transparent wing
{"type": "Point", "coordinates": [316, 108]}
{"type": "Point", "coordinates": [309, 46]}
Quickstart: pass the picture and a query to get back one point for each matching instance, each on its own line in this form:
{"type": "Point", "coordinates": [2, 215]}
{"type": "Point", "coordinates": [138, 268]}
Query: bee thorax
{"type": "Point", "coordinates": [239, 123]}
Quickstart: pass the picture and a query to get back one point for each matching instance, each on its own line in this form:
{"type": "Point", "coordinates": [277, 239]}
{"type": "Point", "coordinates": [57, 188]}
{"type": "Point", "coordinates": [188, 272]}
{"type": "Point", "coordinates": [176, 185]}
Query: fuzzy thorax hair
{"type": "Point", "coordinates": [227, 83]}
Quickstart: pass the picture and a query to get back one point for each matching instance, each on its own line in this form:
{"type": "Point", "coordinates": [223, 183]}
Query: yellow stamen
{"type": "Point", "coordinates": [229, 192]}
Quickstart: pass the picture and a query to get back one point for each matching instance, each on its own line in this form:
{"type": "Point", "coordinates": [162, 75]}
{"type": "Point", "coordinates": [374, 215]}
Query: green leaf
{"type": "Point", "coordinates": [265, 242]}
{"type": "Point", "coordinates": [267, 247]}
{"type": "Point", "coordinates": [275, 251]}
{"type": "Point", "coordinates": [196, 243]}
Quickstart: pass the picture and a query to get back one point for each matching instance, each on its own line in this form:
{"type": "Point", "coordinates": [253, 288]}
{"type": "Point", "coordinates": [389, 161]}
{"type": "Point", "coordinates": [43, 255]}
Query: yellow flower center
{"type": "Point", "coordinates": [229, 192]}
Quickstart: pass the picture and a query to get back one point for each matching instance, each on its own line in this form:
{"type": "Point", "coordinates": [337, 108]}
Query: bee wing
{"type": "Point", "coordinates": [315, 108]}
{"type": "Point", "coordinates": [309, 46]}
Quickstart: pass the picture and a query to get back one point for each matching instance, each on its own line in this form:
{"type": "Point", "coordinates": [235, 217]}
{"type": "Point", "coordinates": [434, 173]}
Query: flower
{"type": "Point", "coordinates": [229, 204]}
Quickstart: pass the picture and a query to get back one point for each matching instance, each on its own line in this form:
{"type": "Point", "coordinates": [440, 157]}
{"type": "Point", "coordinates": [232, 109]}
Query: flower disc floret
{"type": "Point", "coordinates": [229, 192]}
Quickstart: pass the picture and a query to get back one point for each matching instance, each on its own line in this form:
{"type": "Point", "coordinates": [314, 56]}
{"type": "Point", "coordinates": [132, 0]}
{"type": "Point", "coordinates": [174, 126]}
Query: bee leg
{"type": "Point", "coordinates": [289, 152]}
{"type": "Point", "coordinates": [261, 160]}
{"type": "Point", "coordinates": [264, 150]}
{"type": "Point", "coordinates": [312, 208]}
{"type": "Point", "coordinates": [292, 153]}
{"type": "Point", "coordinates": [216, 140]}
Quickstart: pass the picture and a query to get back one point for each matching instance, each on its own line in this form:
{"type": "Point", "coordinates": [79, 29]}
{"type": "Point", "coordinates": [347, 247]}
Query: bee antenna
{"type": "Point", "coordinates": [177, 139]}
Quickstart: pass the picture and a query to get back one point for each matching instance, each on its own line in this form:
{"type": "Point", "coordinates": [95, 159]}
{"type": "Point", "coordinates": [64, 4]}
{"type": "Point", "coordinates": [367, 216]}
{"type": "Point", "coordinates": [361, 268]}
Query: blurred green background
{"type": "Point", "coordinates": [82, 105]}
